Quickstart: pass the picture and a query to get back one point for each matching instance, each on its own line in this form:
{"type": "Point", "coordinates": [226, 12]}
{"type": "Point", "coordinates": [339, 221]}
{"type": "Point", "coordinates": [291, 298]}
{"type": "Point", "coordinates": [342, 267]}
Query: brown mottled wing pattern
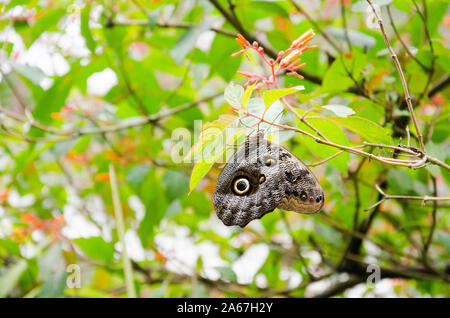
{"type": "Point", "coordinates": [302, 191]}
{"type": "Point", "coordinates": [269, 177]}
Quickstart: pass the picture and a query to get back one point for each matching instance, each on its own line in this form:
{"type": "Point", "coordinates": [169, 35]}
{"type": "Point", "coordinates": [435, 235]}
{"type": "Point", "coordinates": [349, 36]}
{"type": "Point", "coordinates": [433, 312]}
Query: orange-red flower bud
{"type": "Point", "coordinates": [242, 41]}
{"type": "Point", "coordinates": [303, 39]}
{"type": "Point", "coordinates": [291, 56]}
{"type": "Point", "coordinates": [237, 53]}
{"type": "Point", "coordinates": [246, 74]}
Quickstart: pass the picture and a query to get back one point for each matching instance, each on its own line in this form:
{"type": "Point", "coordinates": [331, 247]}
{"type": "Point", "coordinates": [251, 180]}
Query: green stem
{"type": "Point", "coordinates": [127, 269]}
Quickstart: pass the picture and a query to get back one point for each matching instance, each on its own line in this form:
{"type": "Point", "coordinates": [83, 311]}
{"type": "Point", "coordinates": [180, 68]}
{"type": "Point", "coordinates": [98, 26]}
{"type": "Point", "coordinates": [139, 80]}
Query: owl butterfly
{"type": "Point", "coordinates": [260, 177]}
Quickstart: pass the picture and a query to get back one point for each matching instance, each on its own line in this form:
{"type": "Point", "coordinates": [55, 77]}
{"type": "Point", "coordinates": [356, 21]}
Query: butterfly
{"type": "Point", "coordinates": [260, 177]}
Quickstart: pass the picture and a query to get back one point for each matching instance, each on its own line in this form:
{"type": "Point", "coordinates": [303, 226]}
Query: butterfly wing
{"type": "Point", "coordinates": [260, 177]}
{"type": "Point", "coordinates": [265, 193]}
{"type": "Point", "coordinates": [302, 191]}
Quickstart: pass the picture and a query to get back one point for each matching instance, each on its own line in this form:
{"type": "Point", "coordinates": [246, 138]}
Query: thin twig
{"type": "Point", "coordinates": [326, 159]}
{"type": "Point", "coordinates": [344, 22]}
{"type": "Point", "coordinates": [405, 47]}
{"type": "Point", "coordinates": [302, 119]}
{"type": "Point", "coordinates": [423, 198]}
{"type": "Point", "coordinates": [424, 17]}
{"type": "Point", "coordinates": [439, 86]}
{"type": "Point", "coordinates": [166, 25]}
{"type": "Point", "coordinates": [402, 77]}
{"type": "Point", "coordinates": [298, 248]}
{"type": "Point", "coordinates": [418, 163]}
{"type": "Point", "coordinates": [362, 236]}
{"type": "Point", "coordinates": [433, 223]}
{"type": "Point", "coordinates": [124, 124]}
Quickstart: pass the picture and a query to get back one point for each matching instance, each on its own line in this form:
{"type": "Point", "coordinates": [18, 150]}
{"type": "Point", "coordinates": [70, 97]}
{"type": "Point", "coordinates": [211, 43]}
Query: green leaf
{"type": "Point", "coordinates": [146, 83]}
{"type": "Point", "coordinates": [54, 286]}
{"type": "Point", "coordinates": [154, 198]}
{"type": "Point", "coordinates": [220, 60]}
{"type": "Point", "coordinates": [201, 168]}
{"type": "Point", "coordinates": [216, 150]}
{"type": "Point", "coordinates": [53, 99]}
{"type": "Point", "coordinates": [271, 96]}
{"type": "Point", "coordinates": [174, 208]}
{"type": "Point", "coordinates": [356, 38]}
{"type": "Point", "coordinates": [184, 45]}
{"type": "Point", "coordinates": [270, 7]}
{"type": "Point", "coordinates": [439, 9]}
{"type": "Point", "coordinates": [10, 247]}
{"type": "Point", "coordinates": [186, 42]}
{"type": "Point", "coordinates": [416, 30]}
{"type": "Point", "coordinates": [368, 109]}
{"type": "Point", "coordinates": [33, 73]}
{"type": "Point", "coordinates": [199, 201]}
{"type": "Point", "coordinates": [175, 182]}
{"type": "Point", "coordinates": [337, 77]}
{"type": "Point", "coordinates": [46, 22]}
{"type": "Point", "coordinates": [272, 267]}
{"type": "Point", "coordinates": [234, 95]}
{"type": "Point", "coordinates": [27, 156]}
{"type": "Point", "coordinates": [62, 148]}
{"type": "Point", "coordinates": [256, 107]}
{"type": "Point", "coordinates": [340, 110]}
{"type": "Point", "coordinates": [137, 174]}
{"type": "Point", "coordinates": [212, 133]}
{"type": "Point", "coordinates": [212, 144]}
{"type": "Point", "coordinates": [10, 277]}
{"type": "Point", "coordinates": [52, 270]}
{"type": "Point", "coordinates": [246, 96]}
{"type": "Point", "coordinates": [97, 64]}
{"type": "Point", "coordinates": [335, 134]}
{"type": "Point", "coordinates": [115, 38]}
{"type": "Point", "coordinates": [273, 114]}
{"type": "Point", "coordinates": [365, 128]}
{"type": "Point", "coordinates": [401, 5]}
{"type": "Point", "coordinates": [444, 237]}
{"type": "Point", "coordinates": [85, 29]}
{"type": "Point", "coordinates": [438, 152]}
{"type": "Point", "coordinates": [227, 273]}
{"type": "Point", "coordinates": [96, 248]}
{"type": "Point", "coordinates": [82, 144]}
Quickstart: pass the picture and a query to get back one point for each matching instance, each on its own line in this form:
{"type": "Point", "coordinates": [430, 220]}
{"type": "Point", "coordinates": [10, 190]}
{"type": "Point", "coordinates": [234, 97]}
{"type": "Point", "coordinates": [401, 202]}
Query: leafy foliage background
{"type": "Point", "coordinates": [168, 64]}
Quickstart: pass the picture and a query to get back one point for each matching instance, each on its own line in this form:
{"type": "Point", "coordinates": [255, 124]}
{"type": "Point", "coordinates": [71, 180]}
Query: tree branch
{"type": "Point", "coordinates": [424, 198]}
{"type": "Point", "coordinates": [405, 47]}
{"type": "Point", "coordinates": [124, 124]}
{"type": "Point", "coordinates": [402, 77]}
{"type": "Point", "coordinates": [439, 86]}
{"type": "Point", "coordinates": [166, 25]}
